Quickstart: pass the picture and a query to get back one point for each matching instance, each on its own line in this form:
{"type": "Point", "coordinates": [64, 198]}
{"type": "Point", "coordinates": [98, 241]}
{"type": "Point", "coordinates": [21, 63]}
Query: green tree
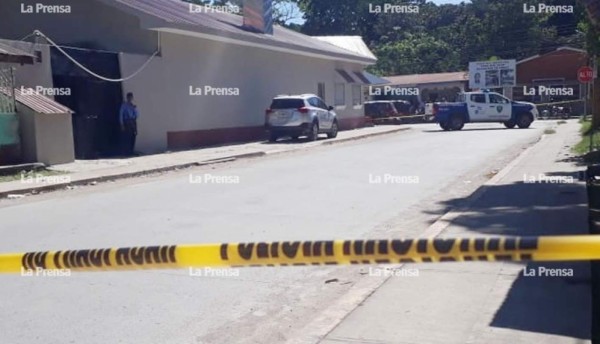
{"type": "Point", "coordinates": [415, 54]}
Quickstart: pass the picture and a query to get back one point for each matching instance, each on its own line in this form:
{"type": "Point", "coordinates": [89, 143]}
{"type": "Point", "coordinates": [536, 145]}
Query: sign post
{"type": "Point", "coordinates": [585, 75]}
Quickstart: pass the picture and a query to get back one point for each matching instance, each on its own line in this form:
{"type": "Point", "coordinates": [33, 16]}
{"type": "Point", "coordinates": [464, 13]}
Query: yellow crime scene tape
{"type": "Point", "coordinates": [302, 253]}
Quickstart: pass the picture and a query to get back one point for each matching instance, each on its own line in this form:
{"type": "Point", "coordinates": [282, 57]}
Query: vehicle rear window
{"type": "Point", "coordinates": [287, 103]}
{"type": "Point", "coordinates": [478, 98]}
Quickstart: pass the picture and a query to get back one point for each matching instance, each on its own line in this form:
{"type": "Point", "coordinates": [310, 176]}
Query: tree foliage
{"type": "Point", "coordinates": [446, 37]}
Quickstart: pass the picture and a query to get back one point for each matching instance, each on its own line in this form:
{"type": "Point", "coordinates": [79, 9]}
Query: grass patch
{"type": "Point", "coordinates": [31, 174]}
{"type": "Point", "coordinates": [583, 146]}
{"type": "Point", "coordinates": [549, 131]}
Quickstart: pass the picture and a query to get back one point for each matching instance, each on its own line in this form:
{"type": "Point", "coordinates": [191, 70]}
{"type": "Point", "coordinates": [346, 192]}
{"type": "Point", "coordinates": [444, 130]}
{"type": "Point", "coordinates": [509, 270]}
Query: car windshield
{"type": "Point", "coordinates": [287, 103]}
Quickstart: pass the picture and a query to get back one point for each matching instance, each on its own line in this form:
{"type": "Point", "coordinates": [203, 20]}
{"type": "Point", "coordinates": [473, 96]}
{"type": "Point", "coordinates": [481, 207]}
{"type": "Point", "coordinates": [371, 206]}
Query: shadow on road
{"type": "Point", "coordinates": [542, 304]}
{"type": "Point", "coordinates": [290, 141]}
{"type": "Point", "coordinates": [466, 129]}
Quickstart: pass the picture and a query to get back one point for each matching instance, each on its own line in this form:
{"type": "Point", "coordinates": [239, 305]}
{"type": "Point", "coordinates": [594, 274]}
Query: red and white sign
{"type": "Point", "coordinates": [585, 75]}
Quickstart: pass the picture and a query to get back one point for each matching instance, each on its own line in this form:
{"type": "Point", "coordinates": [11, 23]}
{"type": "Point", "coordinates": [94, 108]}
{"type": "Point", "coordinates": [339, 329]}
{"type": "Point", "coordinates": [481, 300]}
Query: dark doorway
{"type": "Point", "coordinates": [96, 102]}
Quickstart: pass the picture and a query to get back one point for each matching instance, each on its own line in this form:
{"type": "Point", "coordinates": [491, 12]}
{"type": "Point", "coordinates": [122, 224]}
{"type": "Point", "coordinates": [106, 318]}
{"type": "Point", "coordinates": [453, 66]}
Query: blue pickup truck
{"type": "Point", "coordinates": [474, 107]}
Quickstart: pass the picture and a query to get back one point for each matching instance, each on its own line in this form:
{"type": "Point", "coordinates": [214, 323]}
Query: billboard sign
{"type": "Point", "coordinates": [492, 74]}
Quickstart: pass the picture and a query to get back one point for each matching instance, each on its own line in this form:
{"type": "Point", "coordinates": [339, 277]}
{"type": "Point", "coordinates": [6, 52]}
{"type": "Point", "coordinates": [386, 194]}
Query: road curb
{"type": "Point", "coordinates": [356, 138]}
{"type": "Point", "coordinates": [140, 173]}
{"type": "Point", "coordinates": [117, 176]}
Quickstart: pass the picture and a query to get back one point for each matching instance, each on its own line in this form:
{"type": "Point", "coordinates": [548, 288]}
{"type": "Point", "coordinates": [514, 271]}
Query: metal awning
{"type": "Point", "coordinates": [345, 75]}
{"type": "Point", "coordinates": [361, 76]}
{"type": "Point", "coordinates": [13, 55]}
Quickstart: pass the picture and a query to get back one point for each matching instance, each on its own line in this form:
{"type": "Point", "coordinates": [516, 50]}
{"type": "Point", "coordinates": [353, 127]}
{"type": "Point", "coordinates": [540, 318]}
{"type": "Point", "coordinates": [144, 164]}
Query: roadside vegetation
{"type": "Point", "coordinates": [587, 135]}
{"type": "Point", "coordinates": [30, 175]}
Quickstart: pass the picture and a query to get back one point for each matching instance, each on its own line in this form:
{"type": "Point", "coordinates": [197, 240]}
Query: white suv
{"type": "Point", "coordinates": [300, 115]}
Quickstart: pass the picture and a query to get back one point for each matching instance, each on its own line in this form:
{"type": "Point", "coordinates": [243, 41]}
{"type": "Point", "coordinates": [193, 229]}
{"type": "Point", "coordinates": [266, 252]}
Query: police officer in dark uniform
{"type": "Point", "coordinates": [128, 116]}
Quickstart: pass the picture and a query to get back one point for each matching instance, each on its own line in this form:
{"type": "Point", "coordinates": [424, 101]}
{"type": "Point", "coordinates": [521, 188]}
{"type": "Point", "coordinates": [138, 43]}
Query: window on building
{"type": "Point", "coordinates": [340, 94]}
{"type": "Point", "coordinates": [321, 90]}
{"type": "Point", "coordinates": [356, 95]}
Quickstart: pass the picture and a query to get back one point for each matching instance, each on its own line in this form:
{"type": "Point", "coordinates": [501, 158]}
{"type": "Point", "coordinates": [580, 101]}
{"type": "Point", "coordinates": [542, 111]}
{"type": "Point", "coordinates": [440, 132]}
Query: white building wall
{"type": "Point", "coordinates": [165, 104]}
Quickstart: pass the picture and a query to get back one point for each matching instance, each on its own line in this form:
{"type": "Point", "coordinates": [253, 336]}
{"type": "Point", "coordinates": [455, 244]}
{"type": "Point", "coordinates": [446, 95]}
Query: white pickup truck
{"type": "Point", "coordinates": [480, 106]}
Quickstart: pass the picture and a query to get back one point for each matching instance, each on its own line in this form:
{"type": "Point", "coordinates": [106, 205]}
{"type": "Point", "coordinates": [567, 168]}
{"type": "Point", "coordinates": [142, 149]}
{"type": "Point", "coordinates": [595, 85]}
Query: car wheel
{"type": "Point", "coordinates": [444, 126]}
{"type": "Point", "coordinates": [313, 135]}
{"type": "Point", "coordinates": [273, 137]}
{"type": "Point", "coordinates": [456, 122]}
{"type": "Point", "coordinates": [524, 121]}
{"type": "Point", "coordinates": [334, 131]}
{"type": "Point", "coordinates": [510, 124]}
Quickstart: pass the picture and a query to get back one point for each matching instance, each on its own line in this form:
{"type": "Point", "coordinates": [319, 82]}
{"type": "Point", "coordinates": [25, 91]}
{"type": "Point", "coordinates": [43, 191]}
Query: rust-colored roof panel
{"type": "Point", "coordinates": [37, 102]}
{"type": "Point", "coordinates": [14, 55]}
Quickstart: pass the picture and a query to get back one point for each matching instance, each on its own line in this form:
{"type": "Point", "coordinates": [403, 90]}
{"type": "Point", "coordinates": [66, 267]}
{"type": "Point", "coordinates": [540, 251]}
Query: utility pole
{"type": "Point", "coordinates": [593, 87]}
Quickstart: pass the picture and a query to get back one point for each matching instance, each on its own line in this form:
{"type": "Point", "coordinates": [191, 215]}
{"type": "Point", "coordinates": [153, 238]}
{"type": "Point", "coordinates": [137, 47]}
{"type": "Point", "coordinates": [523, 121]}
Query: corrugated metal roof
{"type": "Point", "coordinates": [374, 79]}
{"type": "Point", "coordinates": [37, 102]}
{"type": "Point", "coordinates": [176, 15]}
{"type": "Point", "coordinates": [417, 79]}
{"type": "Point", "coordinates": [350, 43]}
{"type": "Point", "coordinates": [14, 55]}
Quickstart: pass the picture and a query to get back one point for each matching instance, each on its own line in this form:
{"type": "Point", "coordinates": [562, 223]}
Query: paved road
{"type": "Point", "coordinates": [322, 193]}
{"type": "Point", "coordinates": [494, 302]}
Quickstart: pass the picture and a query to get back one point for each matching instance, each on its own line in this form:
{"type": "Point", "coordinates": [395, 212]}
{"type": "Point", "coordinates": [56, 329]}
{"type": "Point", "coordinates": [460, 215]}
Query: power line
{"type": "Point", "coordinates": [39, 33]}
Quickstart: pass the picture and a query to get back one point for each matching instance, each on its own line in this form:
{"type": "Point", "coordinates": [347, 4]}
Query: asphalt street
{"type": "Point", "coordinates": [386, 186]}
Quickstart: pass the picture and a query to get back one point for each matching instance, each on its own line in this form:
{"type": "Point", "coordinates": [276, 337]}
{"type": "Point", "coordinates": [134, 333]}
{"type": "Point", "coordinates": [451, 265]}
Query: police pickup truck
{"type": "Point", "coordinates": [484, 107]}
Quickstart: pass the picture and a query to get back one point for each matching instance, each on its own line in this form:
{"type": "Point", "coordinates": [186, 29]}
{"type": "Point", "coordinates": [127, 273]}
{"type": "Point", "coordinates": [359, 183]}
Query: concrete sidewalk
{"type": "Point", "coordinates": [493, 302]}
{"type": "Point", "coordinates": [84, 172]}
